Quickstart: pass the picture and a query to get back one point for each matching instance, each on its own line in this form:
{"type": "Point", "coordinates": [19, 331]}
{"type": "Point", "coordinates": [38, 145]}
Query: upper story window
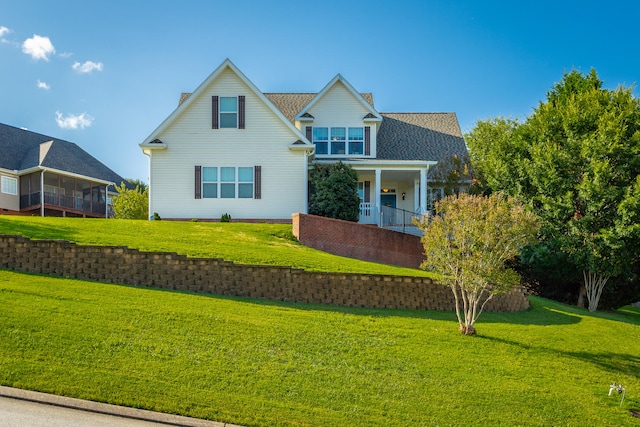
{"type": "Point", "coordinates": [9, 185]}
{"type": "Point", "coordinates": [339, 141]}
{"type": "Point", "coordinates": [228, 112]}
{"type": "Point", "coordinates": [356, 140]}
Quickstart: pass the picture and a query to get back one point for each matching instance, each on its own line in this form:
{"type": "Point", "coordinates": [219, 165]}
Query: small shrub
{"type": "Point", "coordinates": [156, 217]}
{"type": "Point", "coordinates": [225, 218]}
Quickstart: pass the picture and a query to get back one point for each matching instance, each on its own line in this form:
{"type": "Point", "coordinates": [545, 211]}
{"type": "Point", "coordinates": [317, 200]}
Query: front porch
{"type": "Point", "coordinates": [393, 194]}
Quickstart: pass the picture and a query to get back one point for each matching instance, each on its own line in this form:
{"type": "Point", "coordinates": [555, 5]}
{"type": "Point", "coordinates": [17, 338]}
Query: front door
{"type": "Point", "coordinates": [388, 200]}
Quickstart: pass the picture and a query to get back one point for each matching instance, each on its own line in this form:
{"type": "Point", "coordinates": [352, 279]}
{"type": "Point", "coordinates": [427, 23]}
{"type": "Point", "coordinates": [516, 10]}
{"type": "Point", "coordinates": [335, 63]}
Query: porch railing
{"type": "Point", "coordinates": [367, 213]}
{"type": "Point", "coordinates": [398, 219]}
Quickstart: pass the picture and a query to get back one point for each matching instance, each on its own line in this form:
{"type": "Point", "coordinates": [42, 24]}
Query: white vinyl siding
{"type": "Point", "coordinates": [265, 142]}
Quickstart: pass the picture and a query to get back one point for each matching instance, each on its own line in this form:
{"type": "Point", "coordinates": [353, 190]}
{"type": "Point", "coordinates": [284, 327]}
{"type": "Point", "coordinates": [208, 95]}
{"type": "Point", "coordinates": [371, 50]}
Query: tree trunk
{"type": "Point", "coordinates": [594, 283]}
{"type": "Point", "coordinates": [581, 295]}
{"type": "Point", "coordinates": [467, 329]}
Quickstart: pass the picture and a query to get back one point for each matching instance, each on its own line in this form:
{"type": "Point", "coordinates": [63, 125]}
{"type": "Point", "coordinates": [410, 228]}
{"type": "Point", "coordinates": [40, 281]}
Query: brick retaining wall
{"type": "Point", "coordinates": [360, 241]}
{"type": "Point", "coordinates": [166, 270]}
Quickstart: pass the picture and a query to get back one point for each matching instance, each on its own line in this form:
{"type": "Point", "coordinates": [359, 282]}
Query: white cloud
{"type": "Point", "coordinates": [43, 85]}
{"type": "Point", "coordinates": [66, 55]}
{"type": "Point", "coordinates": [87, 67]}
{"type": "Point", "coordinates": [3, 32]}
{"type": "Point", "coordinates": [73, 122]}
{"type": "Point", "coordinates": [38, 47]}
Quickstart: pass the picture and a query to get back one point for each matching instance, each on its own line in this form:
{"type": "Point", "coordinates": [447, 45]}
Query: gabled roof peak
{"type": "Point", "coordinates": [187, 99]}
{"type": "Point", "coordinates": [340, 78]}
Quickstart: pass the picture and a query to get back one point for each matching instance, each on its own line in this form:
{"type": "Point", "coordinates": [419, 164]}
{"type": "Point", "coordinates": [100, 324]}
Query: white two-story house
{"type": "Point", "coordinates": [229, 148]}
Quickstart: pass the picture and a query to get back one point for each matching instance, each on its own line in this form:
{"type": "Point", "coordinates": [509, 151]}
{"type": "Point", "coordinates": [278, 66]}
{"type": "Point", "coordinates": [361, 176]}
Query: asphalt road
{"type": "Point", "coordinates": [23, 408]}
{"type": "Point", "coordinates": [22, 413]}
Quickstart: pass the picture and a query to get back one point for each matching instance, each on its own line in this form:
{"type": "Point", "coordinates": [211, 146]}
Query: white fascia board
{"type": "Point", "coordinates": [10, 172]}
{"type": "Point", "coordinates": [311, 148]}
{"type": "Point", "coordinates": [388, 164]}
{"type": "Point", "coordinates": [350, 88]}
{"type": "Point", "coordinates": [202, 87]}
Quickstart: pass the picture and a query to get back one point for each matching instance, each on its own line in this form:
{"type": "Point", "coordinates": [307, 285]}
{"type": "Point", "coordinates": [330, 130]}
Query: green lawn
{"type": "Point", "coordinates": [266, 244]}
{"type": "Point", "coordinates": [261, 363]}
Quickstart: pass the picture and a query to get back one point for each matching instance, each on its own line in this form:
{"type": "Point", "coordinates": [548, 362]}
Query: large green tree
{"type": "Point", "coordinates": [575, 161]}
{"type": "Point", "coordinates": [334, 191]}
{"type": "Point", "coordinates": [470, 241]}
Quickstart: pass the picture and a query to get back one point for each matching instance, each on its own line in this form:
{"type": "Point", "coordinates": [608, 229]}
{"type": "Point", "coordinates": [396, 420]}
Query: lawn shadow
{"type": "Point", "coordinates": [38, 231]}
{"type": "Point", "coordinates": [538, 314]}
{"type": "Point", "coordinates": [627, 364]}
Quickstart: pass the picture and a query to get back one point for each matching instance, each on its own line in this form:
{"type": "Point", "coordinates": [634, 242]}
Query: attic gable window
{"type": "Point", "coordinates": [228, 112]}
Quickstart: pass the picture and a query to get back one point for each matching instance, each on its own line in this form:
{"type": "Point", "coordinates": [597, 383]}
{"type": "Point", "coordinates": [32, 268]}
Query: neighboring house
{"type": "Point", "coordinates": [229, 148]}
{"type": "Point", "coordinates": [74, 182]}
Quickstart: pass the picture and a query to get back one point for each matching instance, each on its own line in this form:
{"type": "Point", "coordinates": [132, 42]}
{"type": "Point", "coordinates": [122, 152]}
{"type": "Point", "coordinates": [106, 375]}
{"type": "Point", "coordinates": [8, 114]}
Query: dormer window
{"type": "Point", "coordinates": [339, 141]}
{"type": "Point", "coordinates": [338, 138]}
{"type": "Point", "coordinates": [356, 141]}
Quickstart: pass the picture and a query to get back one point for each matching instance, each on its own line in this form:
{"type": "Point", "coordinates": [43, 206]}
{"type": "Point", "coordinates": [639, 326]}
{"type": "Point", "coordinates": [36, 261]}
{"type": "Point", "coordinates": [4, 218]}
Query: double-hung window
{"type": "Point", "coordinates": [227, 182]}
{"type": "Point", "coordinates": [321, 140]}
{"type": "Point", "coordinates": [245, 183]}
{"type": "Point", "coordinates": [356, 141]}
{"type": "Point", "coordinates": [228, 112]}
{"type": "Point", "coordinates": [210, 183]}
{"type": "Point", "coordinates": [338, 138]}
{"type": "Point", "coordinates": [9, 185]}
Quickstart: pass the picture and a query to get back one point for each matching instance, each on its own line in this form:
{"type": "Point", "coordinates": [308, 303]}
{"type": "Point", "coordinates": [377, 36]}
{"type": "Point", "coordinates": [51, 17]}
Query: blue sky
{"type": "Point", "coordinates": [104, 74]}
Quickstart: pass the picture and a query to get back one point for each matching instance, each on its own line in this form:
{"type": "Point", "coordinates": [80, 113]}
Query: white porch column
{"type": "Point", "coordinates": [377, 193]}
{"type": "Point", "coordinates": [423, 190]}
{"type": "Point", "coordinates": [416, 195]}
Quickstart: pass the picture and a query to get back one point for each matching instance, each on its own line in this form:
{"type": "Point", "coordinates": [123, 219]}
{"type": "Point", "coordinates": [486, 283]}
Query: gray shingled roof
{"type": "Point", "coordinates": [20, 150]}
{"type": "Point", "coordinates": [419, 136]}
{"type": "Point", "coordinates": [290, 104]}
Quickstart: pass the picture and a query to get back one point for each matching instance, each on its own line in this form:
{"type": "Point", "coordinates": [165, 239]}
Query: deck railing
{"type": "Point", "coordinates": [69, 202]}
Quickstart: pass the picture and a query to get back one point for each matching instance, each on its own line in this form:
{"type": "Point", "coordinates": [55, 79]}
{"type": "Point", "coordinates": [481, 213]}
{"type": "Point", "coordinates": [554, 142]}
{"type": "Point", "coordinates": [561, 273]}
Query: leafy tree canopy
{"type": "Point", "coordinates": [470, 241]}
{"type": "Point", "coordinates": [334, 191]}
{"type": "Point", "coordinates": [575, 161]}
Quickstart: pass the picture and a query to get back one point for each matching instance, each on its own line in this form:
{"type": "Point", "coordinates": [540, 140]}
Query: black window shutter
{"type": "Point", "coordinates": [215, 112]}
{"type": "Point", "coordinates": [257, 182]}
{"type": "Point", "coordinates": [367, 191]}
{"type": "Point", "coordinates": [241, 112]}
{"type": "Point", "coordinates": [309, 133]}
{"type": "Point", "coordinates": [367, 140]}
{"type": "Point", "coordinates": [198, 180]}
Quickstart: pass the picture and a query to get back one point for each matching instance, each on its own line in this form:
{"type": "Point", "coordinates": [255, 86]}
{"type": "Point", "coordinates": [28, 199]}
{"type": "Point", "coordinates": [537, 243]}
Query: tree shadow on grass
{"type": "Point", "coordinates": [538, 314]}
{"type": "Point", "coordinates": [614, 362]}
{"type": "Point", "coordinates": [37, 231]}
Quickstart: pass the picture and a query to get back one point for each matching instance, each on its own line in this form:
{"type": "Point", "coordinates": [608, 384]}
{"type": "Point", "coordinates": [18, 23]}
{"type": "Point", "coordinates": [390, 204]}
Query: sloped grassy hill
{"type": "Point", "coordinates": [262, 363]}
{"type": "Point", "coordinates": [266, 244]}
